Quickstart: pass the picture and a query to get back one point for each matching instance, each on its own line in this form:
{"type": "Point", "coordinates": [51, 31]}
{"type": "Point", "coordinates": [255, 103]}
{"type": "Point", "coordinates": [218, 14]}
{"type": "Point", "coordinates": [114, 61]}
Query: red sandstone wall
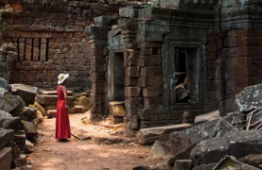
{"type": "Point", "coordinates": [233, 62]}
{"type": "Point", "coordinates": [51, 39]}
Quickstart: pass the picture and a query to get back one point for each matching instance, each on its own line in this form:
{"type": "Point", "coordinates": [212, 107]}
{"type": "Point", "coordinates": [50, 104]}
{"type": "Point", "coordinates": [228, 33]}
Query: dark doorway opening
{"type": "Point", "coordinates": [116, 77]}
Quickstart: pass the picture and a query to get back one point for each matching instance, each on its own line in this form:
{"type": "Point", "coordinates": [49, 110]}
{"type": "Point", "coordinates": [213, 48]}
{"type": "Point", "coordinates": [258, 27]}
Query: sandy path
{"type": "Point", "coordinates": [50, 154]}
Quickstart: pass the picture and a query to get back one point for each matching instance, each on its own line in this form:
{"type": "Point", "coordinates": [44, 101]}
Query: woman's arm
{"type": "Point", "coordinates": [65, 96]}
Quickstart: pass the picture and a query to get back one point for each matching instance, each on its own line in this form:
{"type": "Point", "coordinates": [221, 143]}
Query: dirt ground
{"type": "Point", "coordinates": [90, 154]}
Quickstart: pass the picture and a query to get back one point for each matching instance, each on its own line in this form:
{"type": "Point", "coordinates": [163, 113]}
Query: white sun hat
{"type": "Point", "coordinates": [62, 77]}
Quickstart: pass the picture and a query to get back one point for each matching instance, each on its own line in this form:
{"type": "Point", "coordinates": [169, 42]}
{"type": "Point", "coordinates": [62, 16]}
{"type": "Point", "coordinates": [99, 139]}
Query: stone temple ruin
{"type": "Point", "coordinates": [159, 60]}
{"type": "Point", "coordinates": [164, 61]}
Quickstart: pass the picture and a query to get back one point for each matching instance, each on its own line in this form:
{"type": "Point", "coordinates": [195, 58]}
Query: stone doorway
{"type": "Point", "coordinates": [116, 77]}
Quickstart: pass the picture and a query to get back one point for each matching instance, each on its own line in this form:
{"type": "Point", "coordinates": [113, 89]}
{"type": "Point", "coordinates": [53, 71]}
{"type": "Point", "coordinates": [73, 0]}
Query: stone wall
{"type": "Point", "coordinates": [50, 39]}
{"type": "Point", "coordinates": [233, 62]}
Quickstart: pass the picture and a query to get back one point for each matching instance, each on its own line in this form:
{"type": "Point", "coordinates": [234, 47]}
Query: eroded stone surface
{"type": "Point", "coordinates": [237, 144]}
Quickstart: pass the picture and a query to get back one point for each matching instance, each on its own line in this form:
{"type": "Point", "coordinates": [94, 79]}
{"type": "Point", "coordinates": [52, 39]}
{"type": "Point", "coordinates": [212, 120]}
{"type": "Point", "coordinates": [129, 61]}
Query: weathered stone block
{"type": "Point", "coordinates": [132, 71]}
{"type": "Point", "coordinates": [132, 102]}
{"type": "Point", "coordinates": [30, 128]}
{"type": "Point", "coordinates": [148, 136]}
{"type": "Point", "coordinates": [98, 88]}
{"type": "Point", "coordinates": [153, 91]}
{"type": "Point", "coordinates": [51, 113]}
{"type": "Point", "coordinates": [6, 136]}
{"type": "Point", "coordinates": [214, 149]}
{"type": "Point", "coordinates": [185, 164]}
{"type": "Point", "coordinates": [245, 99]}
{"type": "Point", "coordinates": [150, 81]}
{"type": "Point", "coordinates": [151, 71]}
{"type": "Point", "coordinates": [132, 91]}
{"type": "Point", "coordinates": [26, 92]}
{"type": "Point", "coordinates": [148, 45]}
{"type": "Point", "coordinates": [98, 77]}
{"type": "Point", "coordinates": [130, 58]}
{"type": "Point", "coordinates": [5, 158]}
{"type": "Point", "coordinates": [153, 100]}
{"type": "Point", "coordinates": [131, 81]}
{"type": "Point", "coordinates": [186, 138]}
{"type": "Point", "coordinates": [146, 51]}
{"type": "Point", "coordinates": [12, 104]}
{"type": "Point", "coordinates": [52, 99]}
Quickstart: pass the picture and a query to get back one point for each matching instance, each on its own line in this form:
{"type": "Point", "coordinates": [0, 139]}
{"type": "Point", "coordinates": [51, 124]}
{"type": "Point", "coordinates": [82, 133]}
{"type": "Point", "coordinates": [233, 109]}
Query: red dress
{"type": "Point", "coordinates": [62, 119]}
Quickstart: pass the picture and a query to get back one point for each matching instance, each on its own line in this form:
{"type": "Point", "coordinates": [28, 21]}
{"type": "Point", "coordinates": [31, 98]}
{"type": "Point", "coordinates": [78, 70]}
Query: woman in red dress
{"type": "Point", "coordinates": [62, 118]}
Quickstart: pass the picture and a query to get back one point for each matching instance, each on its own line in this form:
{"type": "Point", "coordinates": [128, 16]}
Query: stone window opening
{"type": "Point", "coordinates": [186, 76]}
{"type": "Point", "coordinates": [32, 49]}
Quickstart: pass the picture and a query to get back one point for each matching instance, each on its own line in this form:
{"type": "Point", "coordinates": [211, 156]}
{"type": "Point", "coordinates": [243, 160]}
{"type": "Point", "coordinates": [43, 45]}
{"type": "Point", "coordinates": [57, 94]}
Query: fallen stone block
{"type": "Point", "coordinates": [157, 151]}
{"type": "Point", "coordinates": [26, 92]}
{"type": "Point", "coordinates": [117, 108]}
{"type": "Point", "coordinates": [5, 158]}
{"type": "Point", "coordinates": [6, 136]}
{"type": "Point", "coordinates": [185, 164]}
{"type": "Point", "coordinates": [19, 139]}
{"type": "Point", "coordinates": [52, 92]}
{"type": "Point", "coordinates": [229, 162]}
{"type": "Point", "coordinates": [252, 159]}
{"type": "Point", "coordinates": [205, 166]}
{"type": "Point", "coordinates": [51, 113]}
{"type": "Point", "coordinates": [3, 92]}
{"type": "Point", "coordinates": [21, 161]}
{"type": "Point", "coordinates": [11, 123]}
{"type": "Point", "coordinates": [30, 129]}
{"type": "Point", "coordinates": [185, 154]}
{"type": "Point", "coordinates": [52, 100]}
{"type": "Point", "coordinates": [183, 139]}
{"type": "Point", "coordinates": [76, 109]}
{"type": "Point", "coordinates": [148, 136]}
{"type": "Point", "coordinates": [28, 113]}
{"type": "Point", "coordinates": [207, 117]}
{"type": "Point", "coordinates": [4, 84]}
{"type": "Point", "coordinates": [249, 98]}
{"type": "Point", "coordinates": [40, 108]}
{"type": "Point", "coordinates": [12, 104]}
{"type": "Point", "coordinates": [16, 152]}
{"type": "Point", "coordinates": [237, 144]}
{"type": "Point", "coordinates": [29, 147]}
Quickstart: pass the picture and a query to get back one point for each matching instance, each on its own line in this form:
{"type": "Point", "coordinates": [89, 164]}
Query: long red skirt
{"type": "Point", "coordinates": [62, 121]}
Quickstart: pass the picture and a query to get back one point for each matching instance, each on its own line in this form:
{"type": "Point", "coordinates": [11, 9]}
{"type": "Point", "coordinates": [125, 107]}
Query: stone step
{"type": "Point", "coordinates": [52, 92]}
{"type": "Point", "coordinates": [52, 99]}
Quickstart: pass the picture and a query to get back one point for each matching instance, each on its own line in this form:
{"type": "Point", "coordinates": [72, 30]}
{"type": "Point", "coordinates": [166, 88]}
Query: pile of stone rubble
{"type": "Point", "coordinates": [213, 142]}
{"type": "Point", "coordinates": [18, 123]}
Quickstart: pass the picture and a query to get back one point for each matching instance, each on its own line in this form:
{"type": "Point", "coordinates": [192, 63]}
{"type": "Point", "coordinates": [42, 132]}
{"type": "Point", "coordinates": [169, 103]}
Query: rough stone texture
{"type": "Point", "coordinates": [5, 158]}
{"type": "Point", "coordinates": [28, 113]}
{"type": "Point", "coordinates": [52, 100]}
{"type": "Point", "coordinates": [148, 136]}
{"type": "Point", "coordinates": [64, 46]}
{"type": "Point", "coordinates": [30, 129]}
{"type": "Point", "coordinates": [213, 149]}
{"type": "Point", "coordinates": [183, 165]}
{"type": "Point", "coordinates": [249, 98]}
{"type": "Point", "coordinates": [183, 139]}
{"type": "Point", "coordinates": [6, 136]}
{"type": "Point", "coordinates": [4, 83]}
{"type": "Point", "coordinates": [230, 162]}
{"type": "Point", "coordinates": [12, 104]}
{"type": "Point", "coordinates": [27, 93]}
{"type": "Point", "coordinates": [252, 159]}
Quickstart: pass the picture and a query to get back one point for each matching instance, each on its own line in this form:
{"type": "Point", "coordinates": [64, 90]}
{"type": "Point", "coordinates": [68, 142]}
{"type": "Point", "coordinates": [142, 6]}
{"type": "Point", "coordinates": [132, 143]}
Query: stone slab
{"type": "Point", "coordinates": [209, 116]}
{"type": "Point", "coordinates": [52, 92]}
{"type": "Point", "coordinates": [148, 136]}
{"type": "Point", "coordinates": [6, 135]}
{"type": "Point", "coordinates": [52, 99]}
{"type": "Point", "coordinates": [26, 92]}
{"type": "Point", "coordinates": [249, 98]}
{"type": "Point", "coordinates": [5, 158]}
